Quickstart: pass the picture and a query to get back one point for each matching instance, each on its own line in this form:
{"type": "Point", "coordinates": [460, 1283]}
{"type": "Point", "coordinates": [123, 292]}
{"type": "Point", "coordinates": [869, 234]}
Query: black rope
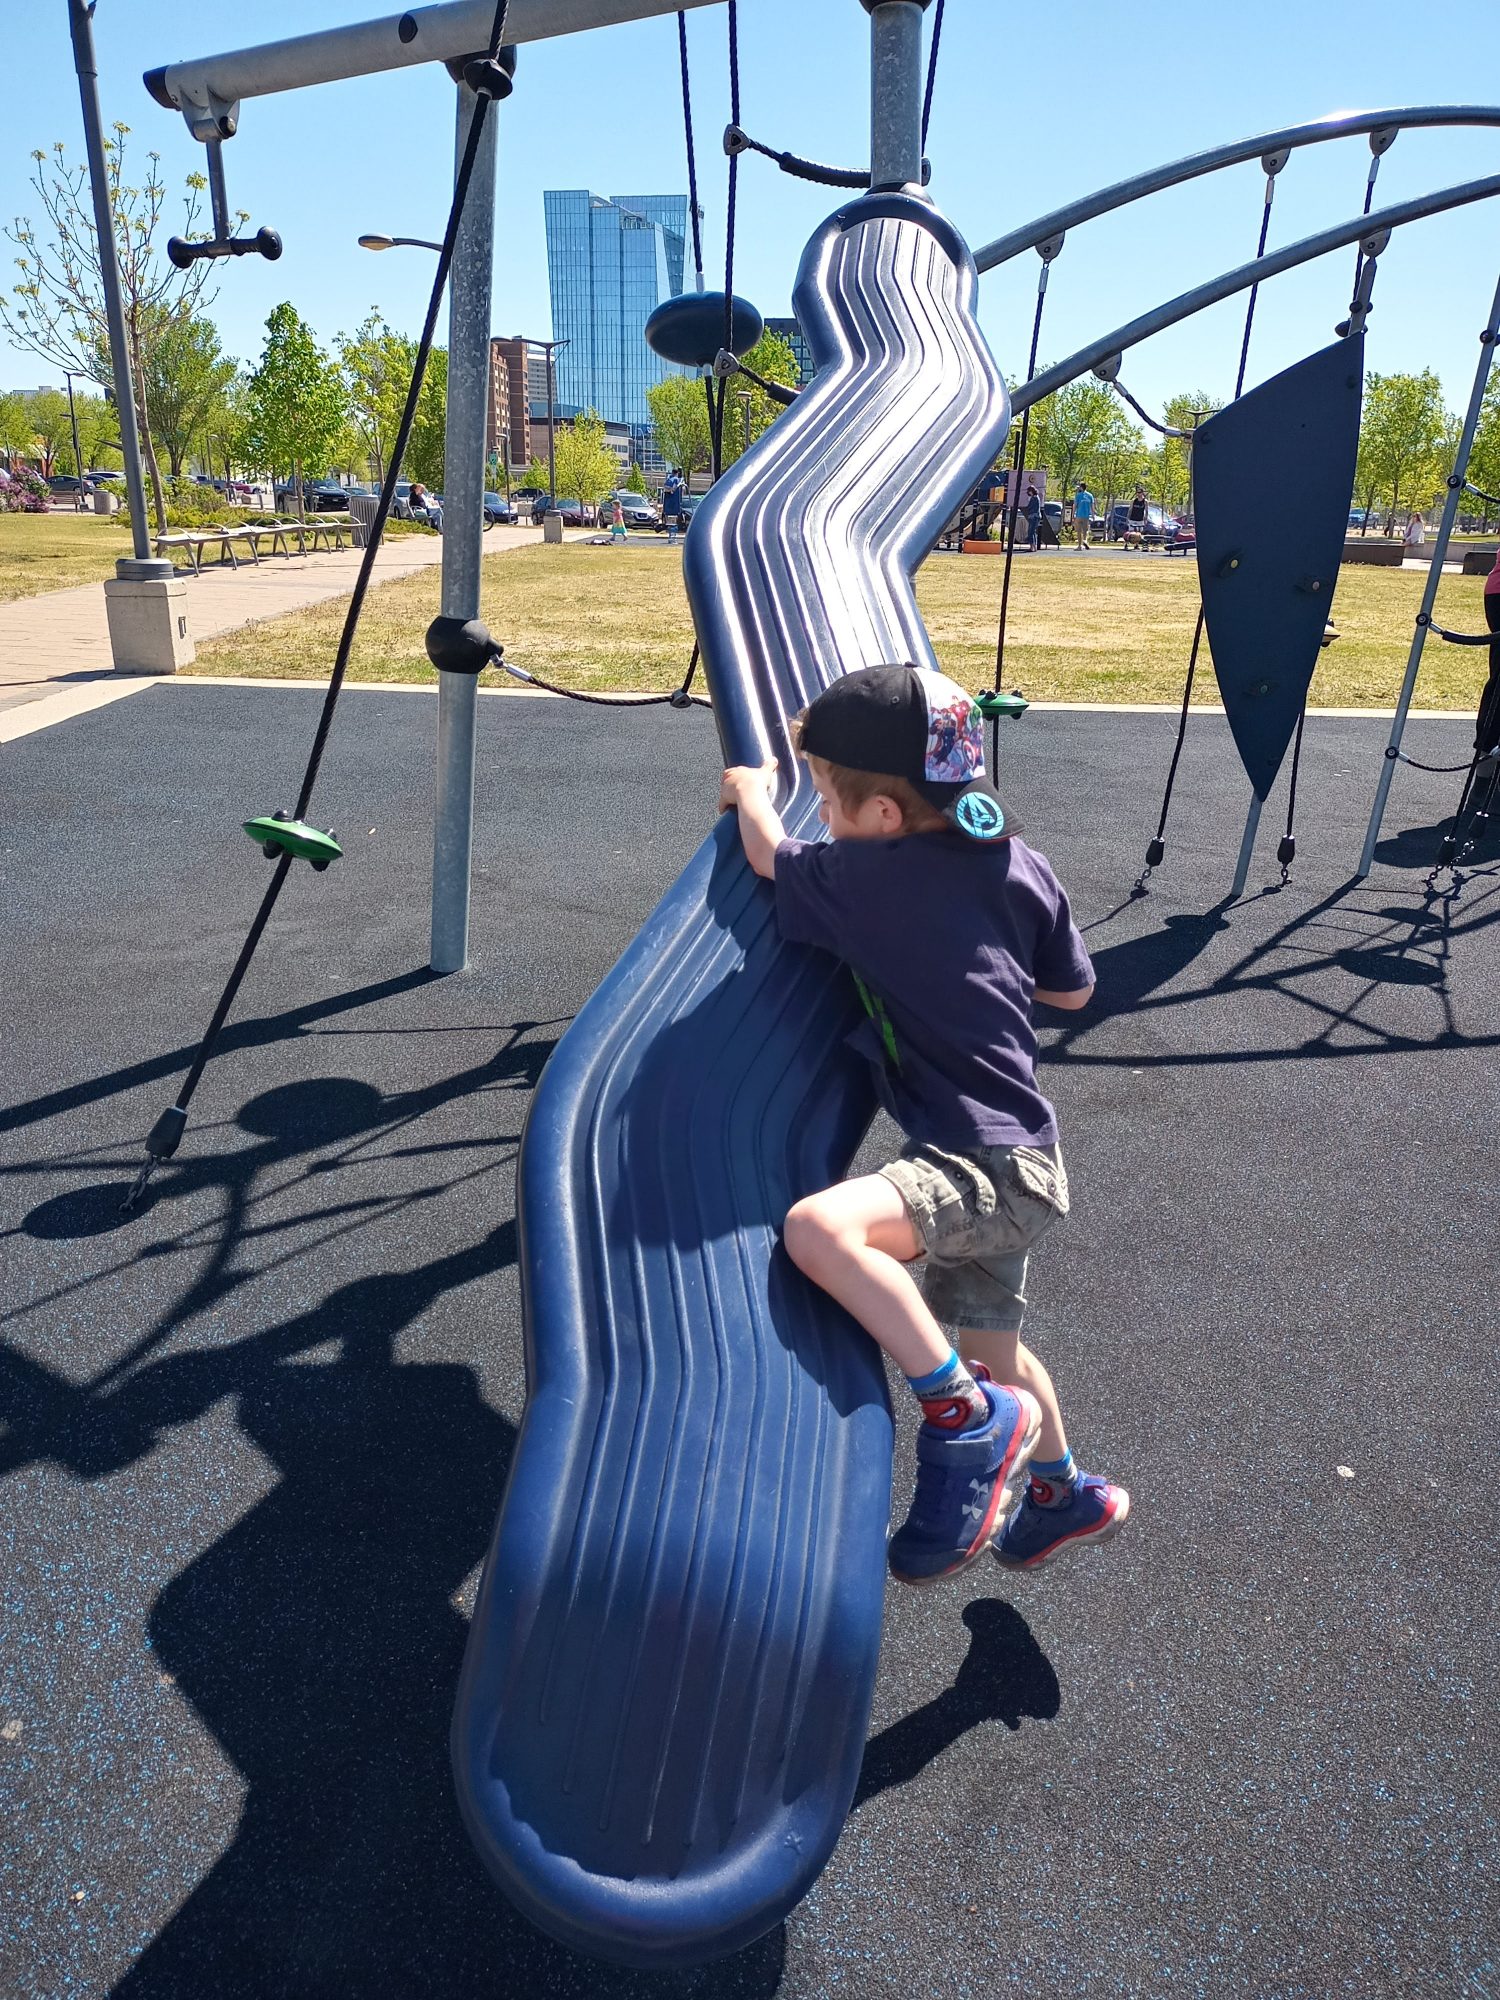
{"type": "Point", "coordinates": [164, 1136]}
{"type": "Point", "coordinates": [932, 62]}
{"type": "Point", "coordinates": [738, 140]}
{"type": "Point", "coordinates": [678, 698]}
{"type": "Point", "coordinates": [1013, 498]}
{"type": "Point", "coordinates": [1260, 251]}
{"type": "Point", "coordinates": [1166, 430]}
{"type": "Point", "coordinates": [1442, 770]}
{"type": "Point", "coordinates": [1156, 848]}
{"type": "Point", "coordinates": [1458, 638]}
{"type": "Point", "coordinates": [1359, 255]}
{"type": "Point", "coordinates": [1286, 853]}
{"type": "Point", "coordinates": [779, 392]}
{"type": "Point", "coordinates": [734, 181]}
{"type": "Point", "coordinates": [692, 155]}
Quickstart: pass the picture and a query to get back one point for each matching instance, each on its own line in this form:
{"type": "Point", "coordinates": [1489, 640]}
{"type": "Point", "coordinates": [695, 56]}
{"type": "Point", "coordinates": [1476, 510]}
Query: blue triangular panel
{"type": "Point", "coordinates": [1272, 479]}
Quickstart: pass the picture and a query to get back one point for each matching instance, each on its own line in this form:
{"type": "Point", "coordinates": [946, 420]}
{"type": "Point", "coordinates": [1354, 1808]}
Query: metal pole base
{"type": "Point", "coordinates": [1247, 847]}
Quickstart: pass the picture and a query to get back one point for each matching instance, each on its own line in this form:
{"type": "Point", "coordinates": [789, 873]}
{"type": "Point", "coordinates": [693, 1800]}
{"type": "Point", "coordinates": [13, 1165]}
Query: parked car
{"type": "Point", "coordinates": [524, 498]}
{"type": "Point", "coordinates": [639, 509]}
{"type": "Point", "coordinates": [1160, 526]}
{"type": "Point", "coordinates": [68, 486]}
{"type": "Point", "coordinates": [498, 511]}
{"type": "Point", "coordinates": [319, 496]}
{"type": "Point", "coordinates": [572, 511]}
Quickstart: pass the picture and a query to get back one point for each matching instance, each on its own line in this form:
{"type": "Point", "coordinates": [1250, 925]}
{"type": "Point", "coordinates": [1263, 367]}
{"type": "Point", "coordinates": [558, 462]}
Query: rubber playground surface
{"type": "Point", "coordinates": [253, 1440]}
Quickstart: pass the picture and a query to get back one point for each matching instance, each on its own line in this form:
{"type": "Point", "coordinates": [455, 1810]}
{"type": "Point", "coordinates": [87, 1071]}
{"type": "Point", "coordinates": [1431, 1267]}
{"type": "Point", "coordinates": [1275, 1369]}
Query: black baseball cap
{"type": "Point", "coordinates": [909, 722]}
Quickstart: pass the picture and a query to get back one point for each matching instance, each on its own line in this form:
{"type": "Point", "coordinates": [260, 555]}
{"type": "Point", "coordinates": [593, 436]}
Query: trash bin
{"type": "Point", "coordinates": [106, 503]}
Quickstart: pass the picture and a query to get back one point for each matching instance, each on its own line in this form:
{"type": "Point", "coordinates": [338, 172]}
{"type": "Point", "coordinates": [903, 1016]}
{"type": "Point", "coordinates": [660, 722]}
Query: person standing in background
{"type": "Point", "coordinates": [1083, 515]}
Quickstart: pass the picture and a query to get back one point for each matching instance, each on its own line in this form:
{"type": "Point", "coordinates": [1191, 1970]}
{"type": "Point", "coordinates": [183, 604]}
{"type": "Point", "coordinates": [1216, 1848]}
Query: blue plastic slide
{"type": "Point", "coordinates": [667, 1686]}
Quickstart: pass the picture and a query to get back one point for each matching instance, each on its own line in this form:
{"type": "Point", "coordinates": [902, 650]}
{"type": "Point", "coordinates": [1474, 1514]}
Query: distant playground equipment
{"type": "Point", "coordinates": [666, 1692]}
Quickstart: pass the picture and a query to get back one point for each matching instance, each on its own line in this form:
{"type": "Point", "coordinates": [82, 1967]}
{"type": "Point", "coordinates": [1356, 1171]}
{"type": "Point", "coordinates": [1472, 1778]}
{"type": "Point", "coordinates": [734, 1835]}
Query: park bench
{"type": "Point", "coordinates": [328, 531]}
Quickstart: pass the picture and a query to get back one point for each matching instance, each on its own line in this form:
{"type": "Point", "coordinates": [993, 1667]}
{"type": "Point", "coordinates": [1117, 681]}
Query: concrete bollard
{"type": "Point", "coordinates": [148, 625]}
{"type": "Point", "coordinates": [552, 527]}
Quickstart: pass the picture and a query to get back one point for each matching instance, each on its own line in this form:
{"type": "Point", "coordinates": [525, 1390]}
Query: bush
{"type": "Point", "coordinates": [26, 493]}
{"type": "Point", "coordinates": [188, 506]}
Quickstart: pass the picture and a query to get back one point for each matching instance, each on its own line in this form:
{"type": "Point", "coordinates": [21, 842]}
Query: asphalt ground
{"type": "Point", "coordinates": [252, 1441]}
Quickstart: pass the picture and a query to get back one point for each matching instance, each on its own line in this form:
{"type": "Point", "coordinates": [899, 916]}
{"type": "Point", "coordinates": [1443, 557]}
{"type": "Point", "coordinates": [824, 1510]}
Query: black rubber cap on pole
{"type": "Point", "coordinates": [461, 646]}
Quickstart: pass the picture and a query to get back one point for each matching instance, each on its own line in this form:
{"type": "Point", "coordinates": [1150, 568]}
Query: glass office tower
{"type": "Point", "coordinates": [610, 262]}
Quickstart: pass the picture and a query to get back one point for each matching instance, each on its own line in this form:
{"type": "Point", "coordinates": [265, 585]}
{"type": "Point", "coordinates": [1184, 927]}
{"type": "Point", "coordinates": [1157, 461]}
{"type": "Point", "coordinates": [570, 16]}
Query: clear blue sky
{"type": "Point", "coordinates": [1034, 105]}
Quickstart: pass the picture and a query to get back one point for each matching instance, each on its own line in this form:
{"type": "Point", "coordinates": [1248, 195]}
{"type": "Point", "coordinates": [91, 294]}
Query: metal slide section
{"type": "Point", "coordinates": [666, 1693]}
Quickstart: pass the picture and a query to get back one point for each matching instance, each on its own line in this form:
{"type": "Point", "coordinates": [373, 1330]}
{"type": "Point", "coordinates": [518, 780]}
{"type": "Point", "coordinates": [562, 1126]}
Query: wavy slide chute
{"type": "Point", "coordinates": [666, 1693]}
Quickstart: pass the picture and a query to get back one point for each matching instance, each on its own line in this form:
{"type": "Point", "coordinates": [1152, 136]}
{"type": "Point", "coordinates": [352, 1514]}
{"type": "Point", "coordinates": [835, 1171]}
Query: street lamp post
{"type": "Point", "coordinates": [397, 243]}
{"type": "Point", "coordinates": [551, 347]}
{"type": "Point", "coordinates": [77, 450]}
{"type": "Point", "coordinates": [142, 566]}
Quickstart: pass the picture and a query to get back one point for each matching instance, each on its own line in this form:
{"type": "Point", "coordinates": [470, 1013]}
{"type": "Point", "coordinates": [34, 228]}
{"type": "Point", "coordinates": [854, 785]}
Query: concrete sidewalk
{"type": "Point", "coordinates": [54, 649]}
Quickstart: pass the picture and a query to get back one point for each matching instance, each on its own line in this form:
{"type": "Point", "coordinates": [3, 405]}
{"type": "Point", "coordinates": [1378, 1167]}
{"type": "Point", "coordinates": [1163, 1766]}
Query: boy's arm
{"type": "Point", "coordinates": [747, 791]}
{"type": "Point", "coordinates": [1070, 1001]}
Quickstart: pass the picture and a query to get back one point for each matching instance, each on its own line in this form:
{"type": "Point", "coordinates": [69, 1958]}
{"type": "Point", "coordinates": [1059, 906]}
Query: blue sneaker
{"type": "Point", "coordinates": [968, 1485]}
{"type": "Point", "coordinates": [1035, 1534]}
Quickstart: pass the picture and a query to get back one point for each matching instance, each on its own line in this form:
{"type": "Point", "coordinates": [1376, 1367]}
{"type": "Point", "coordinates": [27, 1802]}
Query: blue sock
{"type": "Point", "coordinates": [1053, 1480]}
{"type": "Point", "coordinates": [950, 1397]}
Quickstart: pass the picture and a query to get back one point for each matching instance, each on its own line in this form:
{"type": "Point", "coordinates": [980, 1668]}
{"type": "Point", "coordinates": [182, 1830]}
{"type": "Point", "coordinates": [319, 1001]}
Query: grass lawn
{"type": "Point", "coordinates": [54, 551]}
{"type": "Point", "coordinates": [1081, 629]}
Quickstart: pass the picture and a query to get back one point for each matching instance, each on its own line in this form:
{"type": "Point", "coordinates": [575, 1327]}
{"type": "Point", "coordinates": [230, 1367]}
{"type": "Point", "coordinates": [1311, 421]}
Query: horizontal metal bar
{"type": "Point", "coordinates": [1254, 273]}
{"type": "Point", "coordinates": [1030, 234]}
{"type": "Point", "coordinates": [421, 35]}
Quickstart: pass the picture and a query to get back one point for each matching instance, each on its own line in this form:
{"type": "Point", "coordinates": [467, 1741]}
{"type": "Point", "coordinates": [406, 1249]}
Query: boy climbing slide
{"type": "Point", "coordinates": [953, 928]}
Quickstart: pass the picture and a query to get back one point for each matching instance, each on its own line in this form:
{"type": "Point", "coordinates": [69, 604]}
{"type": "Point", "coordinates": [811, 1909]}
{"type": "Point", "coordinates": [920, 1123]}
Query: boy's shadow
{"type": "Point", "coordinates": [1005, 1677]}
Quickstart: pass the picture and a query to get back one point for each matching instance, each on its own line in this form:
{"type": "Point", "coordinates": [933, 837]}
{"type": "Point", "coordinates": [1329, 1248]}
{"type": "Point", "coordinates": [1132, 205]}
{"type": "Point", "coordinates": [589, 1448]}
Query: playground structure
{"type": "Point", "coordinates": [668, 1678]}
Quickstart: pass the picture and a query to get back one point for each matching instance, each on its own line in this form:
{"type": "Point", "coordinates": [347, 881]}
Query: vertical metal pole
{"type": "Point", "coordinates": [895, 92]}
{"type": "Point", "coordinates": [1434, 578]}
{"type": "Point", "coordinates": [1247, 846]}
{"type": "Point", "coordinates": [551, 428]}
{"type": "Point", "coordinates": [143, 565]}
{"type": "Point", "coordinates": [469, 287]}
{"type": "Point", "coordinates": [77, 453]}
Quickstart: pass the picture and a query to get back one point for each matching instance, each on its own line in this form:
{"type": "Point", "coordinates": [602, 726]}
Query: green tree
{"type": "Point", "coordinates": [377, 365]}
{"type": "Point", "coordinates": [185, 378]}
{"type": "Point", "coordinates": [425, 453]}
{"type": "Point", "coordinates": [1068, 427]}
{"type": "Point", "coordinates": [17, 432]}
{"type": "Point", "coordinates": [47, 412]}
{"type": "Point", "coordinates": [1404, 428]}
{"type": "Point", "coordinates": [636, 483]}
{"type": "Point", "coordinates": [586, 467]}
{"type": "Point", "coordinates": [771, 357]}
{"type": "Point", "coordinates": [1171, 462]}
{"type": "Point", "coordinates": [1118, 461]}
{"type": "Point", "coordinates": [98, 431]}
{"type": "Point", "coordinates": [679, 422]}
{"type": "Point", "coordinates": [58, 311]}
{"type": "Point", "coordinates": [1484, 456]}
{"type": "Point", "coordinates": [295, 403]}
{"type": "Point", "coordinates": [536, 474]}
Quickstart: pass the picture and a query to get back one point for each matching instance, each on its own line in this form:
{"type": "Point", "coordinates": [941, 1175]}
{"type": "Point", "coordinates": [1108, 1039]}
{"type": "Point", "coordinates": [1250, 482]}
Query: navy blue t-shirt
{"type": "Point", "coordinates": [949, 938]}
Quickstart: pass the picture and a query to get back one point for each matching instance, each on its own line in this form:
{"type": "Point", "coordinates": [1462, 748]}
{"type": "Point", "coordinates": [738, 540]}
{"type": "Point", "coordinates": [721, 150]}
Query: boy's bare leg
{"type": "Point", "coordinates": [1009, 1360]}
{"type": "Point", "coordinates": [855, 1241]}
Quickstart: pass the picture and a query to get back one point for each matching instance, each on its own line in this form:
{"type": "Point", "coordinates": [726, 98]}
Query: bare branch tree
{"type": "Point", "coordinates": [58, 311]}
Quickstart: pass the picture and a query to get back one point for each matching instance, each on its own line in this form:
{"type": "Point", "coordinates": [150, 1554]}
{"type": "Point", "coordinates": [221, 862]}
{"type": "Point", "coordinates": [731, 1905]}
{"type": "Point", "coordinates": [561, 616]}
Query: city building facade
{"type": "Point", "coordinates": [610, 262]}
